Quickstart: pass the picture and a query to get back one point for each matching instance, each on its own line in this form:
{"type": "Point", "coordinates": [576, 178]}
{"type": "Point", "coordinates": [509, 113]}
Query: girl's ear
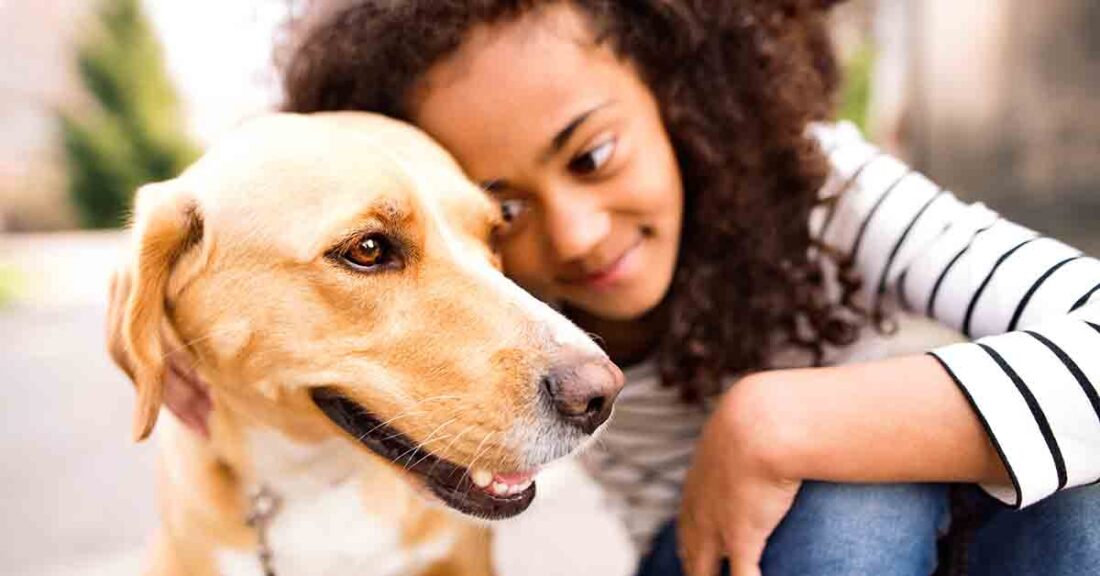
{"type": "Point", "coordinates": [167, 224]}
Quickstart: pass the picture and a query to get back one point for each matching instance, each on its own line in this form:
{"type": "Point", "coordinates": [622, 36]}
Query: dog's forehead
{"type": "Point", "coordinates": [300, 177]}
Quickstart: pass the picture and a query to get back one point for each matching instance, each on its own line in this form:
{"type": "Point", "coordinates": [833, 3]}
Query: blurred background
{"type": "Point", "coordinates": [997, 99]}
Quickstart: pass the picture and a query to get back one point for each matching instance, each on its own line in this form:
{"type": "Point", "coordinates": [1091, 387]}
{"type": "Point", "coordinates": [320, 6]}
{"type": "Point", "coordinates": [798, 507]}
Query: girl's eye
{"type": "Point", "coordinates": [511, 212]}
{"type": "Point", "coordinates": [370, 253]}
{"type": "Point", "coordinates": [594, 159]}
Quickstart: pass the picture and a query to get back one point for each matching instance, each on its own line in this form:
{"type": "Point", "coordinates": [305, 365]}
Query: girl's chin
{"type": "Point", "coordinates": [614, 306]}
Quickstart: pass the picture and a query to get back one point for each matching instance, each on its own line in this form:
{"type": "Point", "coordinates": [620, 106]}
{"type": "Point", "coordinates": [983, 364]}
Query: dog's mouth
{"type": "Point", "coordinates": [475, 492]}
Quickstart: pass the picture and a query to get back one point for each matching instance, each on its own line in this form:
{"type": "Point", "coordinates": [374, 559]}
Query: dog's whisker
{"type": "Point", "coordinates": [184, 345]}
{"type": "Point", "coordinates": [427, 454]}
{"type": "Point", "coordinates": [450, 445]}
{"type": "Point", "coordinates": [412, 451]}
{"type": "Point", "coordinates": [424, 442]}
{"type": "Point", "coordinates": [410, 411]}
{"type": "Point", "coordinates": [439, 397]}
{"type": "Point", "coordinates": [407, 412]}
{"type": "Point", "coordinates": [597, 339]}
{"type": "Point", "coordinates": [477, 455]}
{"type": "Point", "coordinates": [387, 422]}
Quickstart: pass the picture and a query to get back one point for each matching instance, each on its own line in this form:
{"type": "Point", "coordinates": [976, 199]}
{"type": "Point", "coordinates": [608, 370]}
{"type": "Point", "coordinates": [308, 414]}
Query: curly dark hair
{"type": "Point", "coordinates": [737, 82]}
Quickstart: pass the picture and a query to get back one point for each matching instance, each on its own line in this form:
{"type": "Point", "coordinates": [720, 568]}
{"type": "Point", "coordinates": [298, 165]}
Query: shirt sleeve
{"type": "Point", "coordinates": [1030, 303]}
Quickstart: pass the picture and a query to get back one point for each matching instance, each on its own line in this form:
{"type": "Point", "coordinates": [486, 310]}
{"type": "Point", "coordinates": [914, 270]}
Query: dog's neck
{"type": "Point", "coordinates": [295, 470]}
{"type": "Point", "coordinates": [284, 473]}
{"type": "Point", "coordinates": [326, 522]}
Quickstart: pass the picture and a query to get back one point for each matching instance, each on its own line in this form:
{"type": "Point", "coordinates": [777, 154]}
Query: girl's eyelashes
{"type": "Point", "coordinates": [591, 160]}
{"type": "Point", "coordinates": [512, 208]}
{"type": "Point", "coordinates": [512, 211]}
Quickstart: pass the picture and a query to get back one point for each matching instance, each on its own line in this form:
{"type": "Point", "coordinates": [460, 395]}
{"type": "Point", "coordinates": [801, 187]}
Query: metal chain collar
{"type": "Point", "coordinates": [263, 505]}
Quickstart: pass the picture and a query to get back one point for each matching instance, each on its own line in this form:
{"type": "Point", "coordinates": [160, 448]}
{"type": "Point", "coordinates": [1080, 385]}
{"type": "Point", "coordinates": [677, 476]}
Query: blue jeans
{"type": "Point", "coordinates": [891, 530]}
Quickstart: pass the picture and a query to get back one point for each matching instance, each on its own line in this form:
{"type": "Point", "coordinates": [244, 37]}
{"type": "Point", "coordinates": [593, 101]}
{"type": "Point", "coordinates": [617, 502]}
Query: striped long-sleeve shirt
{"type": "Point", "coordinates": [1032, 303]}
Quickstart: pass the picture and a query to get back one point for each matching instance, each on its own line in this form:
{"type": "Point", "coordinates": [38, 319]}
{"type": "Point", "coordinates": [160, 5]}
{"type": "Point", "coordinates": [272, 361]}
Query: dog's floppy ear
{"type": "Point", "coordinates": [167, 224]}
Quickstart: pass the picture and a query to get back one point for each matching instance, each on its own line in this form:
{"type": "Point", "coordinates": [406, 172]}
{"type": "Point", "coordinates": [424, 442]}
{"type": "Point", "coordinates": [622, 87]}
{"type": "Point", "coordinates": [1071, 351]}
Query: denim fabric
{"type": "Point", "coordinates": [891, 529]}
{"type": "Point", "coordinates": [1059, 536]}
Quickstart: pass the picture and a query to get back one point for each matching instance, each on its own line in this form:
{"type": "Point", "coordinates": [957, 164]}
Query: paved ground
{"type": "Point", "coordinates": [75, 493]}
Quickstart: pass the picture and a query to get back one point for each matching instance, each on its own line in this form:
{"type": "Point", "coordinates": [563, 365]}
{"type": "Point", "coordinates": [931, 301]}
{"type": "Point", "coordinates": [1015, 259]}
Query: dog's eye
{"type": "Point", "coordinates": [370, 252]}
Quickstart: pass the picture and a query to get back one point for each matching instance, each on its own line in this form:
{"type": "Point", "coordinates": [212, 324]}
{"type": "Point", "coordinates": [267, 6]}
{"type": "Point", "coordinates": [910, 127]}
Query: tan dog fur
{"type": "Point", "coordinates": [232, 262]}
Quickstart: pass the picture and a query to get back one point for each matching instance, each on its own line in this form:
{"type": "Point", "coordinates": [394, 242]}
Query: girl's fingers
{"type": "Point", "coordinates": [699, 553]}
{"type": "Point", "coordinates": [744, 546]}
{"type": "Point", "coordinates": [744, 569]}
{"type": "Point", "coordinates": [705, 562]}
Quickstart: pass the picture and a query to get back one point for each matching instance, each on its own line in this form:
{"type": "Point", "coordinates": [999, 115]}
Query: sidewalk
{"type": "Point", "coordinates": [76, 496]}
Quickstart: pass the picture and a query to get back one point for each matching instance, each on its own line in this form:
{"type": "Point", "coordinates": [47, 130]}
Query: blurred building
{"type": "Point", "coordinates": [1000, 101]}
{"type": "Point", "coordinates": [219, 54]}
{"type": "Point", "coordinates": [997, 99]}
{"type": "Point", "coordinates": [35, 79]}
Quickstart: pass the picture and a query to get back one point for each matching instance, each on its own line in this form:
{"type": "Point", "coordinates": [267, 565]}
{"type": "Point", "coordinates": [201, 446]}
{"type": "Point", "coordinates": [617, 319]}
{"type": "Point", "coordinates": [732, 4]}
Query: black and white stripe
{"type": "Point", "coordinates": [930, 307]}
{"type": "Point", "coordinates": [1036, 391]}
{"type": "Point", "coordinates": [901, 240]}
{"type": "Point", "coordinates": [1022, 306]}
{"type": "Point", "coordinates": [1085, 298]}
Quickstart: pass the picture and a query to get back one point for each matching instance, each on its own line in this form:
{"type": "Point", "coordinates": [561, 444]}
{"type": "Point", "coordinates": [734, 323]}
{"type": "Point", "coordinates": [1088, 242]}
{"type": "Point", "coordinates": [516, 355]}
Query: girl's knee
{"type": "Point", "coordinates": [1054, 537]}
{"type": "Point", "coordinates": [883, 529]}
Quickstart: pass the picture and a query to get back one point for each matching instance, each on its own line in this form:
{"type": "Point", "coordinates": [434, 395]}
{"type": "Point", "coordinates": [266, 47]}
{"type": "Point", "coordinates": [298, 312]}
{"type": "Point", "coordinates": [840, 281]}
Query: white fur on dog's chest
{"type": "Point", "coordinates": [322, 526]}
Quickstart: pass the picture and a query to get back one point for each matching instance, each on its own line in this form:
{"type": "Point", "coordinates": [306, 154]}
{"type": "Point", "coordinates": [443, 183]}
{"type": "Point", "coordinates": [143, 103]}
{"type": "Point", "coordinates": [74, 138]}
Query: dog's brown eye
{"type": "Point", "coordinates": [370, 252]}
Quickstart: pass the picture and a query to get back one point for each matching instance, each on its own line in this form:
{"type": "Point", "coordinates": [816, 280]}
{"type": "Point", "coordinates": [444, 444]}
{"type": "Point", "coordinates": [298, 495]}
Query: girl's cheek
{"type": "Point", "coordinates": [525, 266]}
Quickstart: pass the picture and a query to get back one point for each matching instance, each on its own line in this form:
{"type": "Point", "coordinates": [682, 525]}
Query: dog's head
{"type": "Point", "coordinates": [338, 269]}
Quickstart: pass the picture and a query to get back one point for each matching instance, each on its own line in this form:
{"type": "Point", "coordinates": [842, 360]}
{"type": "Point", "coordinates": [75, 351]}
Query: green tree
{"type": "Point", "coordinates": [135, 133]}
{"type": "Point", "coordinates": [855, 97]}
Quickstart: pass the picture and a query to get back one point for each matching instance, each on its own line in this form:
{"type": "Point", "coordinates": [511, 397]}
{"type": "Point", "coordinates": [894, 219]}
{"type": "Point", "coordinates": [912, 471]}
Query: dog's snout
{"type": "Point", "coordinates": [582, 390]}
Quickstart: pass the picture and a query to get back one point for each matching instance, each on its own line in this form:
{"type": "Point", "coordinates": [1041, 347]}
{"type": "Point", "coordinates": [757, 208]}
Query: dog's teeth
{"type": "Point", "coordinates": [482, 478]}
{"type": "Point", "coordinates": [500, 489]}
{"type": "Point", "coordinates": [518, 488]}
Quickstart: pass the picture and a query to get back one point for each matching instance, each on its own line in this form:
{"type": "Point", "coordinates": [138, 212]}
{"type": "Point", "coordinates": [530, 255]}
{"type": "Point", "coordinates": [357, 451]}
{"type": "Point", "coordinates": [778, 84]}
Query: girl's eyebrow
{"type": "Point", "coordinates": [563, 135]}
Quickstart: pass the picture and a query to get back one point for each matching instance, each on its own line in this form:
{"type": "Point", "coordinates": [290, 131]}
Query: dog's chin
{"type": "Point", "coordinates": [450, 482]}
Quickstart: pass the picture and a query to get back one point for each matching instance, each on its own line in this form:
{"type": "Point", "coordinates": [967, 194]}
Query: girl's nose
{"type": "Point", "coordinates": [575, 225]}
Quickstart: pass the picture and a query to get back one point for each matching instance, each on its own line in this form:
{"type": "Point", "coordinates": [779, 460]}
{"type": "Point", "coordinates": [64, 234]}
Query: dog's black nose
{"type": "Point", "coordinates": [582, 390]}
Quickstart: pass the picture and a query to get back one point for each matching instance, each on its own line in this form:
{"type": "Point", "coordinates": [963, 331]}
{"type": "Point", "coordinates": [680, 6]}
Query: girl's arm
{"type": "Point", "coordinates": [1031, 378]}
{"type": "Point", "coordinates": [896, 420]}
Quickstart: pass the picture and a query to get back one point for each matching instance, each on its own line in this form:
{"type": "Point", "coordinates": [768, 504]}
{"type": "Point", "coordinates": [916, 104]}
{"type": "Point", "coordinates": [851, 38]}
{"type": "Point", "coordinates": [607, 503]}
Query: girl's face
{"type": "Point", "coordinates": [571, 142]}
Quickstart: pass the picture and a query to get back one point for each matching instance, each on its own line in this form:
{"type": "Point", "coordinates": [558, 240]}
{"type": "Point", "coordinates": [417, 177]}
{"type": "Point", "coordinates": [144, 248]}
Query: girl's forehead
{"type": "Point", "coordinates": [530, 33]}
{"type": "Point", "coordinates": [543, 50]}
{"type": "Point", "coordinates": [513, 85]}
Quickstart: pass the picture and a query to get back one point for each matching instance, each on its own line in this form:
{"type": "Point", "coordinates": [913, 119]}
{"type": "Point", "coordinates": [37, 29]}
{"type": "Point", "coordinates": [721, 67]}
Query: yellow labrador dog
{"type": "Point", "coordinates": [333, 278]}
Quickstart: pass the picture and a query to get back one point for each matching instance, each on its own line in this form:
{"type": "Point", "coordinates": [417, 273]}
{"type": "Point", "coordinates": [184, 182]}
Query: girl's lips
{"type": "Point", "coordinates": [612, 273]}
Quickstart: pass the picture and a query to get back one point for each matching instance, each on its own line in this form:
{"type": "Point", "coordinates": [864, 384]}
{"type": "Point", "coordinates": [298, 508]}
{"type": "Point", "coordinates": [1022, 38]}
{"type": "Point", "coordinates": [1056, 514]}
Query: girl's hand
{"type": "Point", "coordinates": [895, 420]}
{"type": "Point", "coordinates": [733, 496]}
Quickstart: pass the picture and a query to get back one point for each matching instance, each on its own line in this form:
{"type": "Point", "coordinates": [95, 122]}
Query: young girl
{"type": "Point", "coordinates": [670, 180]}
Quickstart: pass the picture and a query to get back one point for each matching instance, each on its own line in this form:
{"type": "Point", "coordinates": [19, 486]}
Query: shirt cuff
{"type": "Point", "coordinates": [1035, 393]}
